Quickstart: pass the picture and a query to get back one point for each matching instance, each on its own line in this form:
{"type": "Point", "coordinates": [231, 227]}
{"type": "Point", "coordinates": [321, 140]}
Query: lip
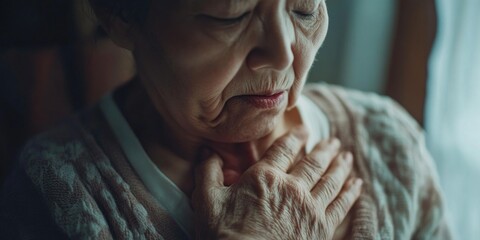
{"type": "Point", "coordinates": [265, 101]}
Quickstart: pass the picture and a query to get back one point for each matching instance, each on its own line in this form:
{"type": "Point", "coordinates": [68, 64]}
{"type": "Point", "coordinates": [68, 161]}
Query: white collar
{"type": "Point", "coordinates": [168, 195]}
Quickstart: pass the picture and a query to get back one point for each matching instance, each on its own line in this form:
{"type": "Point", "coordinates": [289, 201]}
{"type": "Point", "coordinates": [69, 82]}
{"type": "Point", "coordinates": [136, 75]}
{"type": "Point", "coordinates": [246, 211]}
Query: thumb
{"type": "Point", "coordinates": [208, 176]}
{"type": "Point", "coordinates": [209, 173]}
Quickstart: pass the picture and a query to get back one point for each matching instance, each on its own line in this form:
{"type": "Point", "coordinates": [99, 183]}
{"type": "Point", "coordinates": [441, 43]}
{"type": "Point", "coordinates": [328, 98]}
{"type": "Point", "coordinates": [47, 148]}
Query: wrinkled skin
{"type": "Point", "coordinates": [200, 62]}
{"type": "Point", "coordinates": [279, 197]}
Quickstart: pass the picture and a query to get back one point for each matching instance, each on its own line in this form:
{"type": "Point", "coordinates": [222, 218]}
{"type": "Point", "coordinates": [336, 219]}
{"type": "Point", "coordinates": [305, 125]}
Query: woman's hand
{"type": "Point", "coordinates": [279, 197]}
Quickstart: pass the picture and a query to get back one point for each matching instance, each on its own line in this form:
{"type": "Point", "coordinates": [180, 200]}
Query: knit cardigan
{"type": "Point", "coordinates": [75, 181]}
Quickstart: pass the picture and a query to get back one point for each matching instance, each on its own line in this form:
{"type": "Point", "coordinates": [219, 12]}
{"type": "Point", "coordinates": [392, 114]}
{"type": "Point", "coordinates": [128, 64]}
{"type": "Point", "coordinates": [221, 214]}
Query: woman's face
{"type": "Point", "coordinates": [228, 70]}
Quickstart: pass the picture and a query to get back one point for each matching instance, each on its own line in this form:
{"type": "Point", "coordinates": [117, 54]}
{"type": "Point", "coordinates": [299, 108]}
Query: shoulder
{"type": "Point", "coordinates": [64, 167]}
{"type": "Point", "coordinates": [392, 153]}
{"type": "Point", "coordinates": [68, 143]}
{"type": "Point", "coordinates": [54, 151]}
{"type": "Point", "coordinates": [68, 156]}
{"type": "Point", "coordinates": [53, 162]}
{"type": "Point", "coordinates": [378, 127]}
{"type": "Point", "coordinates": [375, 115]}
{"type": "Point", "coordinates": [46, 171]}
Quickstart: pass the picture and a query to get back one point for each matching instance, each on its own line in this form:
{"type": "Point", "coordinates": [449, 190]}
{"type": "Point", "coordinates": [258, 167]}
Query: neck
{"type": "Point", "coordinates": [176, 153]}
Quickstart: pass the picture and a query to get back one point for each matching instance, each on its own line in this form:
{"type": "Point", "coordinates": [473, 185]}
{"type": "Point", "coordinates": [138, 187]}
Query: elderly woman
{"type": "Point", "coordinates": [217, 137]}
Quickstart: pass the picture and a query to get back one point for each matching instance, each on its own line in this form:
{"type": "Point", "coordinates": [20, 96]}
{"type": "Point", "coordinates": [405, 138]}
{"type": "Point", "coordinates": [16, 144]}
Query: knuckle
{"type": "Point", "coordinates": [308, 176]}
{"type": "Point", "coordinates": [334, 218]}
{"type": "Point", "coordinates": [269, 175]}
{"type": "Point", "coordinates": [312, 169]}
{"type": "Point", "coordinates": [282, 151]}
{"type": "Point", "coordinates": [334, 181]}
{"type": "Point", "coordinates": [285, 149]}
{"type": "Point", "coordinates": [342, 203]}
{"type": "Point", "coordinates": [295, 191]}
{"type": "Point", "coordinates": [260, 171]}
{"type": "Point", "coordinates": [329, 187]}
{"type": "Point", "coordinates": [264, 175]}
{"type": "Point", "coordinates": [337, 211]}
{"type": "Point", "coordinates": [314, 163]}
{"type": "Point", "coordinates": [292, 186]}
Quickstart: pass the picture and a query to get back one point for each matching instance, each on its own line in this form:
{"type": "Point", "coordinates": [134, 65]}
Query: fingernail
{"type": "Point", "coordinates": [358, 182]}
{"type": "Point", "coordinates": [299, 131]}
{"type": "Point", "coordinates": [351, 182]}
{"type": "Point", "coordinates": [334, 142]}
{"type": "Point", "coordinates": [348, 157]}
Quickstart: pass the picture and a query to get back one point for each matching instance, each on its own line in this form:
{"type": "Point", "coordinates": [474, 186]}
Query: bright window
{"type": "Point", "coordinates": [453, 112]}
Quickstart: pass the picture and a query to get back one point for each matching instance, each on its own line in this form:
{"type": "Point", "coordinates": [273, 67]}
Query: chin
{"type": "Point", "coordinates": [244, 121]}
{"type": "Point", "coordinates": [246, 131]}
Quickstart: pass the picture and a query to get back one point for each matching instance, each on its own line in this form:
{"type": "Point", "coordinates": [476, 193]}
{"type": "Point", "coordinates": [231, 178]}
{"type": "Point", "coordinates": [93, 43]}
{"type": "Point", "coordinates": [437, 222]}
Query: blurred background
{"type": "Point", "coordinates": [425, 54]}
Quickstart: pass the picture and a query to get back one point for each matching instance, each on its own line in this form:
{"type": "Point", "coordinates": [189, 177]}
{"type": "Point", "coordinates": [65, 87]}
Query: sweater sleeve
{"type": "Point", "coordinates": [431, 222]}
{"type": "Point", "coordinates": [402, 187]}
{"type": "Point", "coordinates": [430, 218]}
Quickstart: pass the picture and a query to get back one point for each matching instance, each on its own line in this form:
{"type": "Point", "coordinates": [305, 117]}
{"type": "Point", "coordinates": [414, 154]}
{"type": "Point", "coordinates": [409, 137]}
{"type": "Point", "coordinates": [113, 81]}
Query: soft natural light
{"type": "Point", "coordinates": [453, 112]}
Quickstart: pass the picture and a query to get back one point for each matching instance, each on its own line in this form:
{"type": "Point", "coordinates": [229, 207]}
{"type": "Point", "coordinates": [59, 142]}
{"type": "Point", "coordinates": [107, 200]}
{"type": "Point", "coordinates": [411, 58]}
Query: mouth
{"type": "Point", "coordinates": [265, 101]}
{"type": "Point", "coordinates": [262, 101]}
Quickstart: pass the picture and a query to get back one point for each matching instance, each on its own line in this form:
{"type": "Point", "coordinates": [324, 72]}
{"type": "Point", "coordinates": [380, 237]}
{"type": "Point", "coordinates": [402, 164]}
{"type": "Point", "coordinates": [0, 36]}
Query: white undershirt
{"type": "Point", "coordinates": [168, 195]}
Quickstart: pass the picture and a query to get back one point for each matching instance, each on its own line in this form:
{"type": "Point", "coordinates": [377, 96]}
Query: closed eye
{"type": "Point", "coordinates": [305, 15]}
{"type": "Point", "coordinates": [226, 21]}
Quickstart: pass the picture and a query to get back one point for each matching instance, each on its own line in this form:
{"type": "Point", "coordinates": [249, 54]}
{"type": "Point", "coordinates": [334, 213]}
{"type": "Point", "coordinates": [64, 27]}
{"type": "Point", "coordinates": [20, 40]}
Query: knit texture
{"type": "Point", "coordinates": [75, 181]}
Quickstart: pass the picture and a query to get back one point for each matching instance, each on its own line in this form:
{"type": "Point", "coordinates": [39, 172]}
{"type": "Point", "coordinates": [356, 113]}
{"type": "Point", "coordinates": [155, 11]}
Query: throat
{"type": "Point", "coordinates": [176, 154]}
{"type": "Point", "coordinates": [238, 158]}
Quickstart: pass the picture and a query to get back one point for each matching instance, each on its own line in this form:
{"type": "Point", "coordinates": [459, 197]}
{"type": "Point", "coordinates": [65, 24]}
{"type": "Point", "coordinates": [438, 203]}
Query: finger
{"type": "Point", "coordinates": [208, 177]}
{"type": "Point", "coordinates": [313, 165]}
{"type": "Point", "coordinates": [332, 181]}
{"type": "Point", "coordinates": [209, 173]}
{"type": "Point", "coordinates": [283, 153]}
{"type": "Point", "coordinates": [339, 208]}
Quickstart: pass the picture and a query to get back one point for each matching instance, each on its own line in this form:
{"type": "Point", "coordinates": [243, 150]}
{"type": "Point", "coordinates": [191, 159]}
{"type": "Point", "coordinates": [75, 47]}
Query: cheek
{"type": "Point", "coordinates": [202, 83]}
{"type": "Point", "coordinates": [195, 64]}
{"type": "Point", "coordinates": [301, 67]}
{"type": "Point", "coordinates": [305, 50]}
{"type": "Point", "coordinates": [194, 75]}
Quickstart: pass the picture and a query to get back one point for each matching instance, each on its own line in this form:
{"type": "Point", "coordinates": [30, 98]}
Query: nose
{"type": "Point", "coordinates": [274, 48]}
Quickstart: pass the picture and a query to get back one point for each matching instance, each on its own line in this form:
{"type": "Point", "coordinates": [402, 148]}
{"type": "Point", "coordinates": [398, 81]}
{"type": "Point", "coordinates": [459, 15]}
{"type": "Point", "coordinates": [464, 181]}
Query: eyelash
{"type": "Point", "coordinates": [307, 16]}
{"type": "Point", "coordinates": [228, 21]}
